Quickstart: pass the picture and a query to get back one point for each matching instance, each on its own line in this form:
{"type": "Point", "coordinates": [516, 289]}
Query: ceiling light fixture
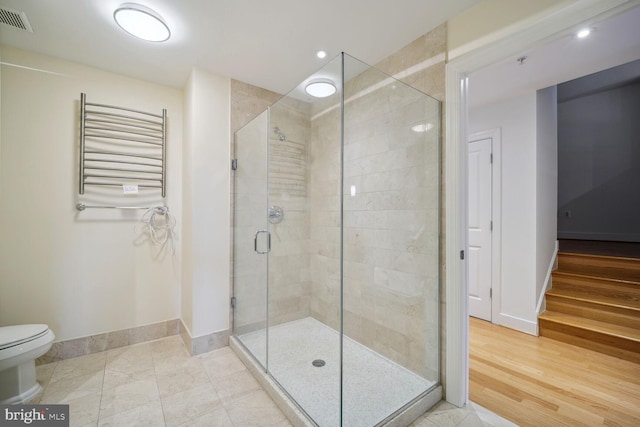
{"type": "Point", "coordinates": [320, 88]}
{"type": "Point", "coordinates": [141, 22]}
{"type": "Point", "coordinates": [584, 33]}
{"type": "Point", "coordinates": [321, 54]}
{"type": "Point", "coordinates": [422, 127]}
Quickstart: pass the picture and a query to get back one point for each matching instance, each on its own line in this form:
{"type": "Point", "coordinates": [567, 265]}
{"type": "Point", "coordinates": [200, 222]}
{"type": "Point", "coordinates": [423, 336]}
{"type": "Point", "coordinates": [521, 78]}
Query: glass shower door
{"type": "Point", "coordinates": [304, 262]}
{"type": "Point", "coordinates": [250, 237]}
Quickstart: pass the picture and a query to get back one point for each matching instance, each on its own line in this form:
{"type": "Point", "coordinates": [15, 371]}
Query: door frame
{"type": "Point", "coordinates": [533, 32]}
{"type": "Point", "coordinates": [496, 216]}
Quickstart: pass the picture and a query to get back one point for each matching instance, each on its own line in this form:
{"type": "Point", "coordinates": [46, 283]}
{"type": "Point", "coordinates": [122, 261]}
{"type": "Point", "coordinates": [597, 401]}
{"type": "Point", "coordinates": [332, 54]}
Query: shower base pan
{"type": "Point", "coordinates": [376, 390]}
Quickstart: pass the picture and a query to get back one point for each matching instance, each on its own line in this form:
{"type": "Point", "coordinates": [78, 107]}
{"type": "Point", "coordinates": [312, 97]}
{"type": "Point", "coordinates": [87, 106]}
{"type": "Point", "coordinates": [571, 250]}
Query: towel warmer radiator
{"type": "Point", "coordinates": [122, 147]}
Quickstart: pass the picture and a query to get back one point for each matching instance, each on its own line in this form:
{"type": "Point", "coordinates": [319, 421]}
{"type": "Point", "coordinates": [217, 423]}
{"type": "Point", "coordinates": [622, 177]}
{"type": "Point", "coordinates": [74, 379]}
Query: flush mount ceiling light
{"type": "Point", "coordinates": [141, 22]}
{"type": "Point", "coordinates": [321, 54]}
{"type": "Point", "coordinates": [584, 32]}
{"type": "Point", "coordinates": [422, 127]}
{"type": "Point", "coordinates": [320, 88]}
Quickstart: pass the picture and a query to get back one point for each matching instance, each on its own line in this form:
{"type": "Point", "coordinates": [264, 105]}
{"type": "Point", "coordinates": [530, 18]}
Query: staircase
{"type": "Point", "coordinates": [595, 303]}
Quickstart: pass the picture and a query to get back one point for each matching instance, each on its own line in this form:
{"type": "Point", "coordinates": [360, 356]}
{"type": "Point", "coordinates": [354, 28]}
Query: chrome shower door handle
{"type": "Point", "coordinates": [255, 242]}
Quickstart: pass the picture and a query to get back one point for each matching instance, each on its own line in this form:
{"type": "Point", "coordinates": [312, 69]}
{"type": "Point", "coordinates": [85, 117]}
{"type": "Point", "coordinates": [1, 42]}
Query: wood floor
{"type": "Point", "coordinates": [537, 381]}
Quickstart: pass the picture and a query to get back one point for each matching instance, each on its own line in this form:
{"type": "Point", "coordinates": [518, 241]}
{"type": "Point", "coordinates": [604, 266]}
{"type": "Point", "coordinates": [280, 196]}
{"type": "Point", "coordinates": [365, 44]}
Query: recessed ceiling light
{"type": "Point", "coordinates": [583, 33]}
{"type": "Point", "coordinates": [422, 127]}
{"type": "Point", "coordinates": [141, 22]}
{"type": "Point", "coordinates": [321, 54]}
{"type": "Point", "coordinates": [320, 88]}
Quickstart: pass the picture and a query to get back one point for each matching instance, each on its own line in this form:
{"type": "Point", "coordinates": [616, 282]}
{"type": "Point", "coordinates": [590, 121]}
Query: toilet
{"type": "Point", "coordinates": [20, 345]}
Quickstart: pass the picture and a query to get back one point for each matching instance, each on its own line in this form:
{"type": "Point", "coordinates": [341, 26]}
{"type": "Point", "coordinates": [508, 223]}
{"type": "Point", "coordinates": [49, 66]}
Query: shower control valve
{"type": "Point", "coordinates": [276, 214]}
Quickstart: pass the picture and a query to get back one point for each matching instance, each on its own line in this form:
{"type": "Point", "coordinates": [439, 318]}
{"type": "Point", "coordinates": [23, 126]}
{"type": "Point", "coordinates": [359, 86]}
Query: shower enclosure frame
{"type": "Point", "coordinates": [412, 408]}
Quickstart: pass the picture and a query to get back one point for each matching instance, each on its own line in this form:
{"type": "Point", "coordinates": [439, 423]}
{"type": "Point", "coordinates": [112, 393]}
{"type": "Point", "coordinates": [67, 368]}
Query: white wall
{"type": "Point", "coordinates": [206, 201]}
{"type": "Point", "coordinates": [546, 184]}
{"type": "Point", "coordinates": [517, 120]}
{"type": "Point", "coordinates": [82, 273]}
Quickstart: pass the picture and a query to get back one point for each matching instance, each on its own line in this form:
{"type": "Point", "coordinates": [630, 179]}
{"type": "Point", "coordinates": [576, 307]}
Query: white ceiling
{"type": "Point", "coordinates": [270, 44]}
{"type": "Point", "coordinates": [616, 41]}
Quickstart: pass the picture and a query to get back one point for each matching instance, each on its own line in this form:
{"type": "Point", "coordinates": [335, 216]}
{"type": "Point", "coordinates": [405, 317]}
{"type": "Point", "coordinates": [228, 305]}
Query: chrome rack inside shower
{"type": "Point", "coordinates": [122, 146]}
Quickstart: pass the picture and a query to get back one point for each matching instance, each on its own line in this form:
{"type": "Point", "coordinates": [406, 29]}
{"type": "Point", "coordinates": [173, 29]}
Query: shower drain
{"type": "Point", "coordinates": [318, 363]}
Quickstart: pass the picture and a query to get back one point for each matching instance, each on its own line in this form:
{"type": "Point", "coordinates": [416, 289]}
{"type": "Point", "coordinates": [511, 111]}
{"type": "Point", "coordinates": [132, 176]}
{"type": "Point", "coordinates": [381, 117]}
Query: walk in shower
{"type": "Point", "coordinates": [336, 245]}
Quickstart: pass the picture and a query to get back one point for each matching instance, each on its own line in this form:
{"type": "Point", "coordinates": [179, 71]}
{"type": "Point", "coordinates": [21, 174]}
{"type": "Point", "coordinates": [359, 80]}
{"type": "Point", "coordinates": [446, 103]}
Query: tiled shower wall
{"type": "Point", "coordinates": [289, 280]}
{"type": "Point", "coordinates": [391, 223]}
{"type": "Point", "coordinates": [421, 64]}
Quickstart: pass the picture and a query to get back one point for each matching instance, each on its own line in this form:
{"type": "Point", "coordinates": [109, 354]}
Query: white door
{"type": "Point", "coordinates": [479, 205]}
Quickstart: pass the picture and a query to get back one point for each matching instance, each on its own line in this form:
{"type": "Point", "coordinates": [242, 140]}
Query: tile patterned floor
{"type": "Point", "coordinates": [158, 384]}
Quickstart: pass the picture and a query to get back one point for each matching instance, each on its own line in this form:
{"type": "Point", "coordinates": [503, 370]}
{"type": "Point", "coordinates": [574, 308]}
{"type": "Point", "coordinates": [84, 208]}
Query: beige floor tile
{"type": "Point", "coordinates": [128, 396]}
{"type": "Point", "coordinates": [79, 366]}
{"type": "Point", "coordinates": [217, 418]}
{"type": "Point", "coordinates": [129, 352]}
{"type": "Point", "coordinates": [175, 361]}
{"type": "Point", "coordinates": [255, 409]}
{"type": "Point", "coordinates": [422, 422]}
{"type": "Point", "coordinates": [130, 366]}
{"type": "Point", "coordinates": [45, 372]}
{"type": "Point", "coordinates": [471, 420]}
{"type": "Point", "coordinates": [189, 405]}
{"type": "Point", "coordinates": [450, 417]}
{"type": "Point", "coordinates": [188, 375]}
{"type": "Point", "coordinates": [130, 359]}
{"type": "Point", "coordinates": [84, 410]}
{"type": "Point", "coordinates": [169, 346]}
{"type": "Point", "coordinates": [114, 378]}
{"type": "Point", "coordinates": [149, 415]}
{"type": "Point", "coordinates": [68, 389]}
{"type": "Point", "coordinates": [217, 352]}
{"type": "Point", "coordinates": [220, 363]}
{"type": "Point", "coordinates": [235, 386]}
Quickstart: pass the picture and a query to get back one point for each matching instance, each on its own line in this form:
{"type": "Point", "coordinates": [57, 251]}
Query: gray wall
{"type": "Point", "coordinates": [599, 157]}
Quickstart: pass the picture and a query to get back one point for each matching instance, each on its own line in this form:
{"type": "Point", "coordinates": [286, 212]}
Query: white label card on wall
{"type": "Point", "coordinates": [130, 188]}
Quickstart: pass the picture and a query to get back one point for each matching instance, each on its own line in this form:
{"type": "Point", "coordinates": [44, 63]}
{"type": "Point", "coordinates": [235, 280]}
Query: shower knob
{"type": "Point", "coordinates": [276, 215]}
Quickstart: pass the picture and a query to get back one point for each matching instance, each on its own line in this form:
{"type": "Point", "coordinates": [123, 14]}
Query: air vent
{"type": "Point", "coordinates": [15, 18]}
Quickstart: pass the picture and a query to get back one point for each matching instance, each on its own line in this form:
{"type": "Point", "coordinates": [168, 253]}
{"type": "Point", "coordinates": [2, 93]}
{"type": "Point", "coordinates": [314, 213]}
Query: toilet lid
{"type": "Point", "coordinates": [14, 335]}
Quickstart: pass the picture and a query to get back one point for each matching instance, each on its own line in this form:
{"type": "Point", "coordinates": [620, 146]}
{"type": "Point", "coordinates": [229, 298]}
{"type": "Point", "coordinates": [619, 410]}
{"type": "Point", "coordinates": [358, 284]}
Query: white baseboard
{"type": "Point", "coordinates": [547, 282]}
{"type": "Point", "coordinates": [522, 325]}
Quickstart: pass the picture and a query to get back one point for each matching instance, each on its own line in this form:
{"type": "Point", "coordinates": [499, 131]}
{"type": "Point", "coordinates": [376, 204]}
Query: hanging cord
{"type": "Point", "coordinates": [158, 224]}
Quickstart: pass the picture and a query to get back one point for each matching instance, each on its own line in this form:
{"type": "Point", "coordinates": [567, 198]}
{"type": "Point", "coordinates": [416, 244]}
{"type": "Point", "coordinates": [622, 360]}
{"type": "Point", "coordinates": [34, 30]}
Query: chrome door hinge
{"type": "Point", "coordinates": [490, 292]}
{"type": "Point", "coordinates": [491, 226]}
{"type": "Point", "coordinates": [233, 302]}
{"type": "Point", "coordinates": [234, 164]}
{"type": "Point", "coordinates": [462, 254]}
{"type": "Point", "coordinates": [491, 158]}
